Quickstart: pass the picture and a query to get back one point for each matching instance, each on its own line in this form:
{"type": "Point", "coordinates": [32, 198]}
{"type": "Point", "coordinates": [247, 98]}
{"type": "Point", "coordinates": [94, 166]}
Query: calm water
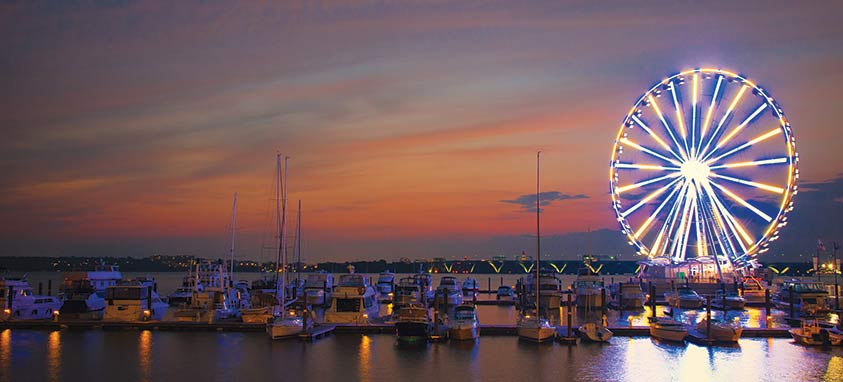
{"type": "Point", "coordinates": [210, 356]}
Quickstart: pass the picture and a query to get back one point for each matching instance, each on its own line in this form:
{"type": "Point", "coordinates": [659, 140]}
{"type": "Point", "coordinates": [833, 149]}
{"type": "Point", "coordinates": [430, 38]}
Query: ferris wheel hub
{"type": "Point", "coordinates": [694, 170]}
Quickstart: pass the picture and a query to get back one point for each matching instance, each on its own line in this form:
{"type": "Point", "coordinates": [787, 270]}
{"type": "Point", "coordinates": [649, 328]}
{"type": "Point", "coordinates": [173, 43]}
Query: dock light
{"type": "Point", "coordinates": [7, 311]}
{"type": "Point", "coordinates": [146, 314]}
{"type": "Point", "coordinates": [291, 313]}
{"type": "Point", "coordinates": [630, 320]}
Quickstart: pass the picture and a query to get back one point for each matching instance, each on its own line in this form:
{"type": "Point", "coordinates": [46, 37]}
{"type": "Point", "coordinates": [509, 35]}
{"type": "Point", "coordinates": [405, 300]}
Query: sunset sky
{"type": "Point", "coordinates": [411, 127]}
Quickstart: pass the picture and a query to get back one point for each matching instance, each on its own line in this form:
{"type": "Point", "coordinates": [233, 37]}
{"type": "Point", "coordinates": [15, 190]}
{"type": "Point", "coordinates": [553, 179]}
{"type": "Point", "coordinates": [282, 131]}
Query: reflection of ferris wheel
{"type": "Point", "coordinates": [703, 165]}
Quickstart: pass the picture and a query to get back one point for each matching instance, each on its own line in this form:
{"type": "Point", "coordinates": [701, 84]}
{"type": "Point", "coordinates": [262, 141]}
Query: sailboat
{"type": "Point", "coordinates": [533, 327]}
{"type": "Point", "coordinates": [285, 325]}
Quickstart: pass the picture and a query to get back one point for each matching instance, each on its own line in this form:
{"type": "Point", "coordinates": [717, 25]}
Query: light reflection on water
{"type": "Point", "coordinates": [5, 354]}
{"type": "Point", "coordinates": [207, 356]}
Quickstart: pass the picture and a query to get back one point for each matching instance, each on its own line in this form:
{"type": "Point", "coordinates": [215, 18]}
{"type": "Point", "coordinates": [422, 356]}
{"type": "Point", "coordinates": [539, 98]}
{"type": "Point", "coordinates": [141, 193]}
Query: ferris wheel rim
{"type": "Point", "coordinates": [789, 189]}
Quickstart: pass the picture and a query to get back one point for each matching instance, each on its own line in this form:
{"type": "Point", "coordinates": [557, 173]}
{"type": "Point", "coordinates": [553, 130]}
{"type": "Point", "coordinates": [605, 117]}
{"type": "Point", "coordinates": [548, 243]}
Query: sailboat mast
{"type": "Point", "coordinates": [538, 230]}
{"type": "Point", "coordinates": [284, 235]}
{"type": "Point", "coordinates": [233, 231]}
{"type": "Point", "coordinates": [277, 220]}
{"type": "Point", "coordinates": [298, 243]}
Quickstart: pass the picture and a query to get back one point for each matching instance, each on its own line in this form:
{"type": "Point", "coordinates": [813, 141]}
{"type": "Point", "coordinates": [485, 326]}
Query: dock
{"type": "Point", "coordinates": [321, 331]}
{"type": "Point", "coordinates": [317, 332]}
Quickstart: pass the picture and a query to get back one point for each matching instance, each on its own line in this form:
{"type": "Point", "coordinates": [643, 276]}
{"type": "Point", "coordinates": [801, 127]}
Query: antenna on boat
{"type": "Point", "coordinates": [233, 231]}
{"type": "Point", "coordinates": [538, 231]}
{"type": "Point", "coordinates": [298, 243]}
{"type": "Point", "coordinates": [283, 248]}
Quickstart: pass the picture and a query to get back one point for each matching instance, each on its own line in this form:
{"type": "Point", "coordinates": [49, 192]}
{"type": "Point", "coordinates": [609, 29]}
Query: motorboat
{"type": "Point", "coordinates": [728, 300]}
{"type": "Point", "coordinates": [668, 329]}
{"type": "Point", "coordinates": [318, 288]}
{"type": "Point", "coordinates": [470, 288]}
{"type": "Point", "coordinates": [588, 288]}
{"type": "Point", "coordinates": [684, 298]}
{"type": "Point", "coordinates": [595, 333]}
{"type": "Point", "coordinates": [535, 329]}
{"type": "Point", "coordinates": [449, 290]}
{"type": "Point", "coordinates": [721, 331]}
{"type": "Point", "coordinates": [414, 323]}
{"type": "Point", "coordinates": [425, 282]}
{"type": "Point", "coordinates": [809, 299]}
{"type": "Point", "coordinates": [835, 334]}
{"type": "Point", "coordinates": [133, 301]}
{"type": "Point", "coordinates": [812, 334]}
{"type": "Point", "coordinates": [216, 300]}
{"type": "Point", "coordinates": [183, 295]}
{"type": "Point", "coordinates": [627, 296]}
{"type": "Point", "coordinates": [550, 291]}
{"type": "Point", "coordinates": [753, 291]}
{"type": "Point", "coordinates": [20, 303]}
{"type": "Point", "coordinates": [505, 293]}
{"type": "Point", "coordinates": [83, 293]}
{"type": "Point", "coordinates": [354, 301]}
{"type": "Point", "coordinates": [408, 292]}
{"type": "Point", "coordinates": [263, 308]}
{"type": "Point", "coordinates": [386, 286]}
{"type": "Point", "coordinates": [465, 325]}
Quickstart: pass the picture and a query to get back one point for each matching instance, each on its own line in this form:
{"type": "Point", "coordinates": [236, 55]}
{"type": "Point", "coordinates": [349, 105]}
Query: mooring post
{"type": "Point", "coordinates": [767, 302]}
{"type": "Point", "coordinates": [11, 301]}
{"type": "Point", "coordinates": [603, 300]}
{"type": "Point", "coordinates": [708, 317]}
{"type": "Point", "coordinates": [790, 299]}
{"type": "Point", "coordinates": [49, 287]}
{"type": "Point", "coordinates": [490, 284]}
{"type": "Point", "coordinates": [40, 290]}
{"type": "Point", "coordinates": [653, 300]}
{"type": "Point", "coordinates": [570, 315]}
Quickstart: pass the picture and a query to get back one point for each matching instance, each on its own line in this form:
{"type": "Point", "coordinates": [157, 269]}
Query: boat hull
{"type": "Point", "coordinates": [668, 333]}
{"type": "Point", "coordinates": [595, 333]}
{"type": "Point", "coordinates": [536, 334]}
{"type": "Point", "coordinates": [464, 333]}
{"type": "Point", "coordinates": [412, 331]}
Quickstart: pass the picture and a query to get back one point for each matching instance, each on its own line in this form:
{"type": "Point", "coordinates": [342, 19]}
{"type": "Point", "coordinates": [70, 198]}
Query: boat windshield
{"type": "Point", "coordinates": [464, 314]}
{"type": "Point", "coordinates": [352, 280]}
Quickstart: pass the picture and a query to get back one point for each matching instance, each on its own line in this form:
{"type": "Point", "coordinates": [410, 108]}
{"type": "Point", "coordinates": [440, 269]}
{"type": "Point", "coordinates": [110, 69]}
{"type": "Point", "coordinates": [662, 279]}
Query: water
{"type": "Point", "coordinates": [96, 355]}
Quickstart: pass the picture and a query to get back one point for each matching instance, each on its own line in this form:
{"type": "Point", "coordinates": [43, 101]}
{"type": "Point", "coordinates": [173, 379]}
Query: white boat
{"type": "Point", "coordinates": [835, 334]}
{"type": "Point", "coordinates": [668, 330]}
{"type": "Point", "coordinates": [449, 289]}
{"type": "Point", "coordinates": [594, 333]}
{"type": "Point", "coordinates": [20, 303]}
{"type": "Point", "coordinates": [183, 295]}
{"type": "Point", "coordinates": [721, 331]}
{"type": "Point", "coordinates": [133, 301]}
{"type": "Point", "coordinates": [285, 326]}
{"type": "Point", "coordinates": [535, 329]}
{"type": "Point", "coordinates": [287, 323]}
{"type": "Point", "coordinates": [354, 301]}
{"type": "Point", "coordinates": [753, 291]}
{"type": "Point", "coordinates": [414, 323]}
{"type": "Point", "coordinates": [318, 289]}
{"type": "Point", "coordinates": [729, 300]}
{"type": "Point", "coordinates": [465, 325]}
{"type": "Point", "coordinates": [627, 296]}
{"type": "Point", "coordinates": [426, 285]}
{"type": "Point", "coordinates": [386, 286]}
{"type": "Point", "coordinates": [588, 288]}
{"type": "Point", "coordinates": [684, 298]}
{"type": "Point", "coordinates": [83, 293]}
{"type": "Point", "coordinates": [810, 299]}
{"type": "Point", "coordinates": [214, 301]}
{"type": "Point", "coordinates": [263, 308]}
{"type": "Point", "coordinates": [811, 334]}
{"type": "Point", "coordinates": [470, 288]}
{"type": "Point", "coordinates": [407, 292]}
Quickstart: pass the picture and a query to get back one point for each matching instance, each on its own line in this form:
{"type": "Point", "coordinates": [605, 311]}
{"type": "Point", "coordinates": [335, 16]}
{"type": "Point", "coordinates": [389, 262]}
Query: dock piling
{"type": "Point", "coordinates": [790, 300]}
{"type": "Point", "coordinates": [767, 302]}
{"type": "Point", "coordinates": [40, 288]}
{"type": "Point", "coordinates": [570, 315]}
{"type": "Point", "coordinates": [49, 287]}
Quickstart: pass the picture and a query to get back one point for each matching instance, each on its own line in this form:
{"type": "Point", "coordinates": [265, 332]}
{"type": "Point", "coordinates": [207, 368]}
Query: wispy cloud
{"type": "Point", "coordinates": [528, 202]}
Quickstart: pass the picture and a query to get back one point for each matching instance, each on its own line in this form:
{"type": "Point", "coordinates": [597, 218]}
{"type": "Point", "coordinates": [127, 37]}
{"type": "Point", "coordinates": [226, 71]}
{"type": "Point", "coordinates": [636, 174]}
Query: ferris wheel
{"type": "Point", "coordinates": [704, 165]}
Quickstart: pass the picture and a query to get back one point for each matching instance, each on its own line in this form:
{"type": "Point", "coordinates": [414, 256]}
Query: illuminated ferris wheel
{"type": "Point", "coordinates": [703, 165]}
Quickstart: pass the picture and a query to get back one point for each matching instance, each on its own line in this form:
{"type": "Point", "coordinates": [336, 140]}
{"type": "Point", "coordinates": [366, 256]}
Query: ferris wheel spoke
{"type": "Point", "coordinates": [645, 167]}
{"type": "Point", "coordinates": [680, 120]}
{"type": "Point", "coordinates": [667, 127]}
{"type": "Point", "coordinates": [750, 143]}
{"type": "Point", "coordinates": [707, 121]}
{"type": "Point", "coordinates": [736, 130]}
{"type": "Point", "coordinates": [701, 247]}
{"type": "Point", "coordinates": [762, 186]}
{"type": "Point", "coordinates": [641, 230]}
{"type": "Point", "coordinates": [755, 163]}
{"type": "Point", "coordinates": [669, 223]}
{"type": "Point", "coordinates": [743, 202]}
{"type": "Point", "coordinates": [723, 119]}
{"type": "Point", "coordinates": [648, 198]}
{"type": "Point", "coordinates": [646, 182]}
{"type": "Point", "coordinates": [638, 147]}
{"type": "Point", "coordinates": [680, 243]}
{"type": "Point", "coordinates": [738, 232]}
{"type": "Point", "coordinates": [655, 136]}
